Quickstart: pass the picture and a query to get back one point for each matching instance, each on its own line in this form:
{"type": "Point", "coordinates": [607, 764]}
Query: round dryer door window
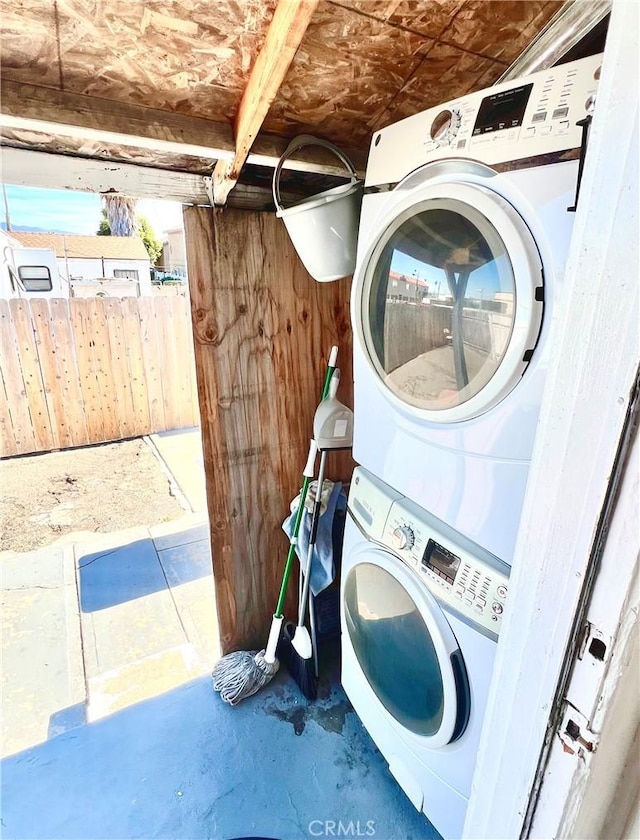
{"type": "Point", "coordinates": [449, 308]}
{"type": "Point", "coordinates": [407, 652]}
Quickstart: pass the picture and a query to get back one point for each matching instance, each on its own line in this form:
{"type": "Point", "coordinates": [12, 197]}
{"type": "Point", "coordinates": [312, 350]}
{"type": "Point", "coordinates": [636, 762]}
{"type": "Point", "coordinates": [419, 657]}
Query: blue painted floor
{"type": "Point", "coordinates": [186, 765]}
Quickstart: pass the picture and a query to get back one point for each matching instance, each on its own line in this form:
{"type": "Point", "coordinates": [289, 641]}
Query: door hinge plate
{"type": "Point", "coordinates": [575, 733]}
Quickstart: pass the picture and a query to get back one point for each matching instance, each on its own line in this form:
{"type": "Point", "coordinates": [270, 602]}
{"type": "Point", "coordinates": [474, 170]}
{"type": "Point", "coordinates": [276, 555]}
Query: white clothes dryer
{"type": "Point", "coordinates": [463, 239]}
{"type": "Point", "coordinates": [421, 609]}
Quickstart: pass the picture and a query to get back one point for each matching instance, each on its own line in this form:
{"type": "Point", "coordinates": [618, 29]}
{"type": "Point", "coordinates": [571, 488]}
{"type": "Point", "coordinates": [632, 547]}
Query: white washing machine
{"type": "Point", "coordinates": [463, 239]}
{"type": "Point", "coordinates": [421, 609]}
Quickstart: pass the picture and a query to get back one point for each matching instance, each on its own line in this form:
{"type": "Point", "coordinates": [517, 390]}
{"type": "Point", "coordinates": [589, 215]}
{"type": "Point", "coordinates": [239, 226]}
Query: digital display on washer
{"type": "Point", "coordinates": [502, 110]}
{"type": "Point", "coordinates": [441, 561]}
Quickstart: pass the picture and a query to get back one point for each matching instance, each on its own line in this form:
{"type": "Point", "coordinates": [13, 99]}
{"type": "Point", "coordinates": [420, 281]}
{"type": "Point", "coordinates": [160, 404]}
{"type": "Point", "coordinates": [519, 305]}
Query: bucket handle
{"type": "Point", "coordinates": [297, 143]}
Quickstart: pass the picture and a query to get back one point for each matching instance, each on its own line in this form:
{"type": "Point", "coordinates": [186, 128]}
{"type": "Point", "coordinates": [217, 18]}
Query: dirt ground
{"type": "Point", "coordinates": [98, 489]}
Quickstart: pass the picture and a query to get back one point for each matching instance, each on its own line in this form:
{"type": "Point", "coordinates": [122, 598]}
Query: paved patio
{"type": "Point", "coordinates": [111, 728]}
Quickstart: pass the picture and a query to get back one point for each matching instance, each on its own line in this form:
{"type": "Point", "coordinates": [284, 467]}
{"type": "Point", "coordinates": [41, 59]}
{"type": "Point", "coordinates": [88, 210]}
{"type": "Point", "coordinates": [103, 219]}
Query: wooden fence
{"type": "Point", "coordinates": [81, 371]}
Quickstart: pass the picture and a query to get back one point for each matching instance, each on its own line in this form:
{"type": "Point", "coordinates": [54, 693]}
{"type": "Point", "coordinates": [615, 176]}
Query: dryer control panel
{"type": "Point", "coordinates": [515, 120]}
{"type": "Point", "coordinates": [460, 574]}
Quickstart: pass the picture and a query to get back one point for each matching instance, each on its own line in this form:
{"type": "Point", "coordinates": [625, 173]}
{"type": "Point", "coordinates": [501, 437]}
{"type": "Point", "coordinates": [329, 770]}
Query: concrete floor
{"type": "Point", "coordinates": [111, 728]}
{"type": "Point", "coordinates": [185, 765]}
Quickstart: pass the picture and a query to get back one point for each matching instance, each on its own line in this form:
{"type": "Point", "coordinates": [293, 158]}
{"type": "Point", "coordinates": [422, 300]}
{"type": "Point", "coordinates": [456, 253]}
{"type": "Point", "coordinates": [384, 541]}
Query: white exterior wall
{"type": "Point", "coordinates": [93, 268]}
{"type": "Point", "coordinates": [174, 253]}
{"type": "Point", "coordinates": [595, 342]}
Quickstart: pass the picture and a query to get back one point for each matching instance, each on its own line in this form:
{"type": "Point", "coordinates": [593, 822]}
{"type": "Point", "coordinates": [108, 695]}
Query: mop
{"type": "Point", "coordinates": [332, 429]}
{"type": "Point", "coordinates": [242, 673]}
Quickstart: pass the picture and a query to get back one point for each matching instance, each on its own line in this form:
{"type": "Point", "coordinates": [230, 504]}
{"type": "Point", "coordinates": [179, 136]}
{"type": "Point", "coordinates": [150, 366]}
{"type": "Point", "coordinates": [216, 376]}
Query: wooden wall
{"type": "Point", "coordinates": [263, 329]}
{"type": "Point", "coordinates": [80, 371]}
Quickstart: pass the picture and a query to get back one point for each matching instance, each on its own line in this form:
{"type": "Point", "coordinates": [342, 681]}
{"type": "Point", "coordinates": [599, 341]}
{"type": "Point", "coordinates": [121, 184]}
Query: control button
{"type": "Point", "coordinates": [502, 591]}
{"type": "Point", "coordinates": [403, 537]}
{"type": "Point", "coordinates": [590, 104]}
{"type": "Point", "coordinates": [560, 113]}
{"type": "Point", "coordinates": [494, 618]}
{"type": "Point", "coordinates": [482, 602]}
{"type": "Point", "coordinates": [563, 125]}
{"type": "Point", "coordinates": [479, 607]}
{"type": "Point", "coordinates": [546, 129]}
{"type": "Point", "coordinates": [497, 608]}
{"type": "Point", "coordinates": [530, 132]}
{"type": "Point", "coordinates": [468, 601]}
{"type": "Point", "coordinates": [445, 127]}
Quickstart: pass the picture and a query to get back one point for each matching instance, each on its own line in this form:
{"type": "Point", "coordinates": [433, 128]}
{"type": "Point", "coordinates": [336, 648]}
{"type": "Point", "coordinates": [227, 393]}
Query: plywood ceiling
{"type": "Point", "coordinates": [362, 64]}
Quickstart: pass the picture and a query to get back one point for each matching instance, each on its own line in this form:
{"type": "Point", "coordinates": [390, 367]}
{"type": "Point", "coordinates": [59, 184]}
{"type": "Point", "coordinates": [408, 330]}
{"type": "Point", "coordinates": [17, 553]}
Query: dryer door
{"type": "Point", "coordinates": [448, 301]}
{"type": "Point", "coordinates": [405, 648]}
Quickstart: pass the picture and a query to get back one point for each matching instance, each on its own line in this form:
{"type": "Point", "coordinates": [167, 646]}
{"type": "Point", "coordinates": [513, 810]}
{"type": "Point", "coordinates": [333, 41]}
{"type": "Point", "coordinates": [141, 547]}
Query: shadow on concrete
{"type": "Point", "coordinates": [186, 765]}
{"type": "Point", "coordinates": [65, 719]}
{"type": "Point", "coordinates": [126, 572]}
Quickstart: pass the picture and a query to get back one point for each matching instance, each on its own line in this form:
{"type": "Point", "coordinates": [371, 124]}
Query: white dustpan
{"type": "Point", "coordinates": [333, 421]}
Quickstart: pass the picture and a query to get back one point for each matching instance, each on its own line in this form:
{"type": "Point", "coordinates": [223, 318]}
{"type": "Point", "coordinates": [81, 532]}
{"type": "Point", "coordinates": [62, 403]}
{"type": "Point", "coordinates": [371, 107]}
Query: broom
{"type": "Point", "coordinates": [242, 673]}
{"type": "Point", "coordinates": [332, 429]}
{"type": "Point", "coordinates": [295, 645]}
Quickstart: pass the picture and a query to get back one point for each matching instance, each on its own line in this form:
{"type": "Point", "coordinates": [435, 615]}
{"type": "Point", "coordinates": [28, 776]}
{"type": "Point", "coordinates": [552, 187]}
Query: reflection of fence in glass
{"type": "Point", "coordinates": [412, 330]}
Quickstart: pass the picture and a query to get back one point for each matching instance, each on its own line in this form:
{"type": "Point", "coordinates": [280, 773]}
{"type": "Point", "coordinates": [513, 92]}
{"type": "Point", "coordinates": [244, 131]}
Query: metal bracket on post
{"type": "Point", "coordinates": [208, 185]}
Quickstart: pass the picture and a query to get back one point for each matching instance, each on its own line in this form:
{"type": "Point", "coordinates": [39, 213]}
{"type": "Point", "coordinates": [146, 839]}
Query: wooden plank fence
{"type": "Point", "coordinates": [80, 371]}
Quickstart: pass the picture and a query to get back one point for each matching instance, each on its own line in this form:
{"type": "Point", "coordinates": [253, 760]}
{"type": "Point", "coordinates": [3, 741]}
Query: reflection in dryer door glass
{"type": "Point", "coordinates": [441, 306]}
{"type": "Point", "coordinates": [394, 648]}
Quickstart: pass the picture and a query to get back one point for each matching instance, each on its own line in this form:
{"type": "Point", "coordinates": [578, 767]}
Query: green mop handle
{"type": "Point", "coordinates": [308, 475]}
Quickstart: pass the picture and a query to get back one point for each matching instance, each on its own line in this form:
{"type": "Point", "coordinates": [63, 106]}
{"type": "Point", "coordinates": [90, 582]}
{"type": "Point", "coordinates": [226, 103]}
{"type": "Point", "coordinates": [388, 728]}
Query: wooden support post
{"type": "Point", "coordinates": [262, 331]}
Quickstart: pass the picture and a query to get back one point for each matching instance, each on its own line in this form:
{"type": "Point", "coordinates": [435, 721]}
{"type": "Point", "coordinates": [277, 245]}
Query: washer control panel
{"type": "Point", "coordinates": [514, 120]}
{"type": "Point", "coordinates": [459, 573]}
{"type": "Point", "coordinates": [470, 580]}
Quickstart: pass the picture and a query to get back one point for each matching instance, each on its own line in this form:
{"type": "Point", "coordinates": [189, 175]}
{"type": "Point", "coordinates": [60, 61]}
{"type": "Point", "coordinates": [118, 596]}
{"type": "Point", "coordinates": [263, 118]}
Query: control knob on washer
{"type": "Point", "coordinates": [403, 537]}
{"type": "Point", "coordinates": [445, 126]}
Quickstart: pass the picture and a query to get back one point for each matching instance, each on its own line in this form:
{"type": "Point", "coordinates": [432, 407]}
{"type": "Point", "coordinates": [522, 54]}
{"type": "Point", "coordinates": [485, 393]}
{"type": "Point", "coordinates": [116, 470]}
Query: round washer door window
{"type": "Point", "coordinates": [450, 310]}
{"type": "Point", "coordinates": [408, 654]}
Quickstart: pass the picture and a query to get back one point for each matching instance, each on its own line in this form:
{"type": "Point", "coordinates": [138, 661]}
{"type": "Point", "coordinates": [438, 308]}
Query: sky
{"type": "Point", "coordinates": [483, 282]}
{"type": "Point", "coordinates": [67, 211]}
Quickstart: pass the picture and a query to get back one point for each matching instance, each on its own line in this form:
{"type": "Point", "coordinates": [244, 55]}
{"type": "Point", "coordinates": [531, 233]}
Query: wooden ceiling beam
{"type": "Point", "coordinates": [51, 170]}
{"type": "Point", "coordinates": [26, 168]}
{"type": "Point", "coordinates": [286, 31]}
{"type": "Point", "coordinates": [58, 113]}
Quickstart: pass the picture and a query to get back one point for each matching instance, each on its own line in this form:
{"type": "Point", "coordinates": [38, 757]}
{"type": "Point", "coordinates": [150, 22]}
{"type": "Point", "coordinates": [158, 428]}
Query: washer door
{"type": "Point", "coordinates": [448, 300]}
{"type": "Point", "coordinates": [405, 648]}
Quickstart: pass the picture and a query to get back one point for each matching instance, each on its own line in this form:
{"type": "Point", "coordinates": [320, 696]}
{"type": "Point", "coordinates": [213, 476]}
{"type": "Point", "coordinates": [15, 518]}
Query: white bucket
{"type": "Point", "coordinates": [323, 228]}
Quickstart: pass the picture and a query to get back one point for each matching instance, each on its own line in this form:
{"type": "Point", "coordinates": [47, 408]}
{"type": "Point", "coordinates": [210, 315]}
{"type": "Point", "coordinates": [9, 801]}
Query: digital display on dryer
{"type": "Point", "coordinates": [502, 110]}
{"type": "Point", "coordinates": [440, 560]}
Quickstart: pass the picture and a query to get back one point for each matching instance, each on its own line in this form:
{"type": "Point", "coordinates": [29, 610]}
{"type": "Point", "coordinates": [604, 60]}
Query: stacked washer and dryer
{"type": "Point", "coordinates": [464, 233]}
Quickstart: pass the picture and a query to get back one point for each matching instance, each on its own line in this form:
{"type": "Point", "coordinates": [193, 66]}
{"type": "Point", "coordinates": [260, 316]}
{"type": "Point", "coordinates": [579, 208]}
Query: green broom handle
{"type": "Point", "coordinates": [308, 475]}
{"type": "Point", "coordinates": [331, 366]}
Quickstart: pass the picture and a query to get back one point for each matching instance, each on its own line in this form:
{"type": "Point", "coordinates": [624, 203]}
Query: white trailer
{"type": "Point", "coordinates": [35, 272]}
{"type": "Point", "coordinates": [29, 272]}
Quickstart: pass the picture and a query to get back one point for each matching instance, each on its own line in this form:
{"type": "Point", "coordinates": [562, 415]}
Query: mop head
{"type": "Point", "coordinates": [301, 669]}
{"type": "Point", "coordinates": [240, 674]}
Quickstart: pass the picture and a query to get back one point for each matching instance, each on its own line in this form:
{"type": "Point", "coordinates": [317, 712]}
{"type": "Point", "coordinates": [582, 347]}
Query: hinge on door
{"type": "Point", "coordinates": [575, 734]}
